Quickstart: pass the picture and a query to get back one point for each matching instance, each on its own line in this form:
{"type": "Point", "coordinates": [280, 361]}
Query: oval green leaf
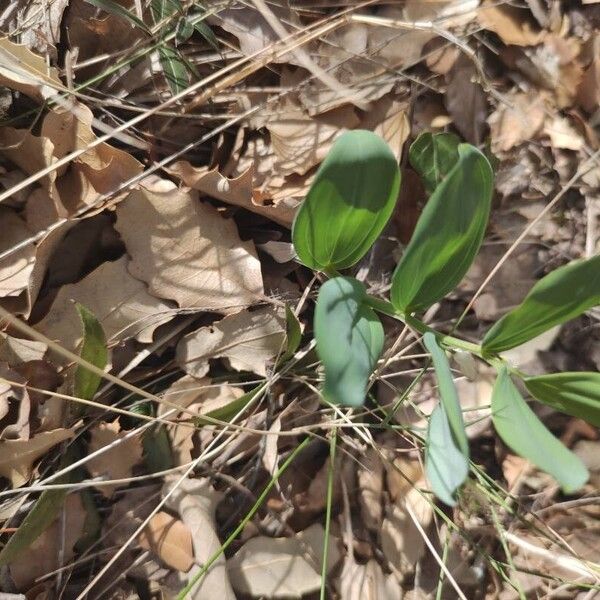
{"type": "Point", "coordinates": [447, 236]}
{"type": "Point", "coordinates": [349, 202]}
{"type": "Point", "coordinates": [448, 393]}
{"type": "Point", "coordinates": [576, 394]}
{"type": "Point", "coordinates": [349, 339]}
{"type": "Point", "coordinates": [93, 350]}
{"type": "Point", "coordinates": [432, 156]}
{"type": "Point", "coordinates": [522, 431]}
{"type": "Point", "coordinates": [446, 465]}
{"type": "Point", "coordinates": [563, 294]}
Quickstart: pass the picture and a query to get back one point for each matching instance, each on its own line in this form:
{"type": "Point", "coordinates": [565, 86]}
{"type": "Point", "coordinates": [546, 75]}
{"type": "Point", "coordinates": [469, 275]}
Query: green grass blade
{"type": "Point", "coordinates": [117, 10]}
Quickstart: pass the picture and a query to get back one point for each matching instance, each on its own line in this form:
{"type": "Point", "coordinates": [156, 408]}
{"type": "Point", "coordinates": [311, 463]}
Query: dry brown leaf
{"type": "Point", "coordinates": [511, 24]}
{"type": "Point", "coordinates": [15, 350]}
{"type": "Point", "coordinates": [31, 153]}
{"type": "Point", "coordinates": [195, 500]}
{"type": "Point", "coordinates": [563, 134]}
{"type": "Point", "coordinates": [517, 121]}
{"type": "Point", "coordinates": [53, 548]}
{"type": "Point", "coordinates": [280, 567]}
{"type": "Point", "coordinates": [358, 582]}
{"type": "Point", "coordinates": [17, 456]}
{"type": "Point", "coordinates": [388, 119]}
{"type": "Point", "coordinates": [370, 487]}
{"type": "Point", "coordinates": [117, 462]}
{"type": "Point", "coordinates": [466, 101]}
{"type": "Point", "coordinates": [120, 302]}
{"type": "Point", "coordinates": [248, 340]}
{"type": "Point", "coordinates": [22, 70]}
{"type": "Point", "coordinates": [588, 92]}
{"type": "Point", "coordinates": [238, 190]}
{"type": "Point", "coordinates": [271, 454]}
{"type": "Point", "coordinates": [169, 539]}
{"type": "Point", "coordinates": [37, 22]}
{"type": "Point", "coordinates": [185, 251]}
{"type": "Point", "coordinates": [15, 405]}
{"type": "Point", "coordinates": [15, 270]}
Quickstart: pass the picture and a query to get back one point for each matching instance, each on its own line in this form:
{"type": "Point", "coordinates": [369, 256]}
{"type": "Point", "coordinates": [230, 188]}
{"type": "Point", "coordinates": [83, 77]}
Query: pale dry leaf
{"type": "Point", "coordinates": [15, 270]}
{"type": "Point", "coordinates": [36, 22]}
{"type": "Point", "coordinates": [588, 92]}
{"type": "Point", "coordinates": [518, 120]}
{"type": "Point", "coordinates": [247, 339]}
{"type": "Point", "coordinates": [278, 567]}
{"type": "Point", "coordinates": [370, 487]}
{"type": "Point", "coordinates": [51, 550]}
{"type": "Point", "coordinates": [563, 134]}
{"type": "Point", "coordinates": [17, 398]}
{"type": "Point", "coordinates": [270, 454]}
{"type": "Point", "coordinates": [117, 462]}
{"type": "Point", "coordinates": [119, 301]}
{"type": "Point", "coordinates": [31, 153]}
{"type": "Point", "coordinates": [300, 142]}
{"type": "Point", "coordinates": [238, 190]}
{"type": "Point", "coordinates": [169, 539]}
{"type": "Point", "coordinates": [17, 456]}
{"type": "Point", "coordinates": [388, 119]}
{"type": "Point", "coordinates": [22, 70]}
{"type": "Point", "coordinates": [360, 582]}
{"type": "Point", "coordinates": [185, 251]}
{"type": "Point", "coordinates": [510, 23]}
{"type": "Point", "coordinates": [195, 500]}
{"type": "Point", "coordinates": [15, 350]}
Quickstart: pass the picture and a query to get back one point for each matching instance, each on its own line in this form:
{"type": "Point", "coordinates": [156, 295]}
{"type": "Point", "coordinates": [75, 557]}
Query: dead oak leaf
{"type": "Point", "coordinates": [185, 251]}
{"type": "Point", "coordinates": [247, 339]}
{"type": "Point", "coordinates": [119, 301]}
{"type": "Point", "coordinates": [117, 462]}
{"type": "Point", "coordinates": [17, 456]}
{"type": "Point", "coordinates": [169, 539]}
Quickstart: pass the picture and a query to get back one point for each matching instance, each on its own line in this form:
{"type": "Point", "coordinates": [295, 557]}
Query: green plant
{"type": "Point", "coordinates": [350, 201]}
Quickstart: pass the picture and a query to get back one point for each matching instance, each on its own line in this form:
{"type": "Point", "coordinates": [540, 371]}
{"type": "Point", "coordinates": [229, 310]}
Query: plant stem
{"type": "Point", "coordinates": [330, 477]}
{"type": "Point", "coordinates": [387, 308]}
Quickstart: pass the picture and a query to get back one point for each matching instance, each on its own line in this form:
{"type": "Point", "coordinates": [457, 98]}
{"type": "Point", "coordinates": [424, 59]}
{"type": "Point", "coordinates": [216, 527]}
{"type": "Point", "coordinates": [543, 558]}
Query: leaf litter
{"type": "Point", "coordinates": [187, 269]}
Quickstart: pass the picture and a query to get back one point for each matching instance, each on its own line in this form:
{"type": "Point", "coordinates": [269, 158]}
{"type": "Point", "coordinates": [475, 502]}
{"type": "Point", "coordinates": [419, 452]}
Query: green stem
{"type": "Point", "coordinates": [330, 477]}
{"type": "Point", "coordinates": [387, 308]}
{"type": "Point", "coordinates": [259, 502]}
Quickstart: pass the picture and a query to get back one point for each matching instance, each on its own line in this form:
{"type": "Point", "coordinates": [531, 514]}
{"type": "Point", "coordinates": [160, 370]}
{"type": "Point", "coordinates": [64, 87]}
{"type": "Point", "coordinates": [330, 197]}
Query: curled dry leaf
{"type": "Point", "coordinates": [117, 462]}
{"type": "Point", "coordinates": [51, 550]}
{"type": "Point", "coordinates": [120, 302]}
{"type": "Point", "coordinates": [185, 251]}
{"type": "Point", "coordinates": [281, 567]}
{"type": "Point", "coordinates": [248, 340]}
{"type": "Point", "coordinates": [195, 500]}
{"type": "Point", "coordinates": [169, 539]}
{"type": "Point", "coordinates": [17, 456]}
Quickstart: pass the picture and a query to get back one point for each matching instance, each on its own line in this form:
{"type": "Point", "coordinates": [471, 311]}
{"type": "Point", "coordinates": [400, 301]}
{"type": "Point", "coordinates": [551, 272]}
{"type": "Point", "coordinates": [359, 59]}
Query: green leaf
{"type": "Point", "coordinates": [38, 519]}
{"type": "Point", "coordinates": [432, 156]}
{"type": "Point", "coordinates": [162, 9]}
{"type": "Point", "coordinates": [522, 431]}
{"type": "Point", "coordinates": [563, 294]}
{"type": "Point", "coordinates": [576, 394]}
{"type": "Point", "coordinates": [204, 29]}
{"type": "Point", "coordinates": [157, 449]}
{"type": "Point", "coordinates": [92, 524]}
{"type": "Point", "coordinates": [116, 9]}
{"type": "Point", "coordinates": [447, 236]}
{"type": "Point", "coordinates": [448, 394]}
{"type": "Point", "coordinates": [446, 465]}
{"type": "Point", "coordinates": [184, 30]}
{"type": "Point", "coordinates": [227, 412]}
{"type": "Point", "coordinates": [293, 334]}
{"type": "Point", "coordinates": [349, 202]}
{"type": "Point", "coordinates": [349, 340]}
{"type": "Point", "coordinates": [93, 350]}
{"type": "Point", "coordinates": [174, 68]}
